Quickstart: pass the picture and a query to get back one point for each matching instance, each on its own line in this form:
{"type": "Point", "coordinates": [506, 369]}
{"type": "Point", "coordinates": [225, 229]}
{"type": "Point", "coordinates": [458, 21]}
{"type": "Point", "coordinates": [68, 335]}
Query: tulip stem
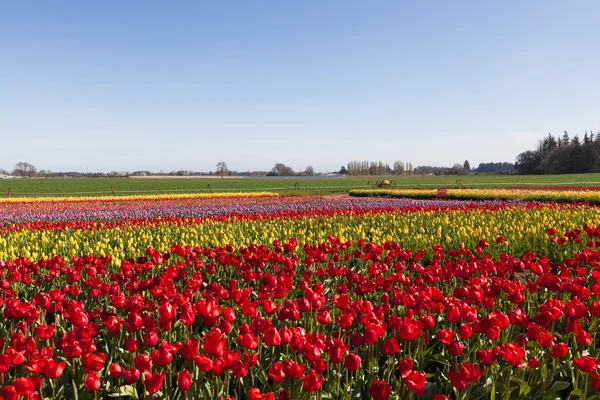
{"type": "Point", "coordinates": [507, 394]}
{"type": "Point", "coordinates": [339, 378]}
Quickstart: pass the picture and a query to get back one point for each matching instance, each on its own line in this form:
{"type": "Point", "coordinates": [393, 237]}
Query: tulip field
{"type": "Point", "coordinates": [264, 296]}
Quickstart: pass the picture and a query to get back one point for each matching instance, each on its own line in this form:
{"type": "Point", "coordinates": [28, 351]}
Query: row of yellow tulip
{"type": "Point", "coordinates": [522, 227]}
{"type": "Point", "coordinates": [133, 197]}
{"type": "Point", "coordinates": [562, 196]}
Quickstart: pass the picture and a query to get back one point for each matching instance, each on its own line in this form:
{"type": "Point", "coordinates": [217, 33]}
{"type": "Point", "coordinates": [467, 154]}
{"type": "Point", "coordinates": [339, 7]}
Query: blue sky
{"type": "Point", "coordinates": [132, 85]}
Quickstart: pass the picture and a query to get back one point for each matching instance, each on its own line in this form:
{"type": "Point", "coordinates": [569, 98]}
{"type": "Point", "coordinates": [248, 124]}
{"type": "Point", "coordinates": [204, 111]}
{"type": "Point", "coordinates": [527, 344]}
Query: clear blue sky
{"type": "Point", "coordinates": [151, 85]}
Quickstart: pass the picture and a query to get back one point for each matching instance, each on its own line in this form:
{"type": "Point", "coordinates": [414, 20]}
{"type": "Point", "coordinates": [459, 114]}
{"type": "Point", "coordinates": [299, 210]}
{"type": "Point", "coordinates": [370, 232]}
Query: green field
{"type": "Point", "coordinates": [127, 186]}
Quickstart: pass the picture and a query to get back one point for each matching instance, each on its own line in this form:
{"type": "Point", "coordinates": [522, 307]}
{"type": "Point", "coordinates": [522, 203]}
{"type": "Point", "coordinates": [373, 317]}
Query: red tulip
{"type": "Point", "coordinates": [276, 373]}
{"type": "Point", "coordinates": [293, 370]}
{"type": "Point", "coordinates": [415, 381]}
{"type": "Point", "coordinates": [559, 350]}
{"type": "Point", "coordinates": [24, 386]}
{"type": "Point", "coordinates": [380, 390]}
{"type": "Point", "coordinates": [352, 362]}
{"type": "Point", "coordinates": [248, 341]}
{"type": "Point", "coordinates": [312, 382]}
{"type": "Point", "coordinates": [53, 369]}
{"type": "Point", "coordinates": [240, 369]}
{"type": "Point", "coordinates": [271, 337]}
{"type": "Point", "coordinates": [203, 363]}
{"type": "Point", "coordinates": [323, 317]}
{"type": "Point", "coordinates": [465, 331]}
{"type": "Point", "coordinates": [44, 332]}
{"type": "Point", "coordinates": [446, 336]}
{"type": "Point", "coordinates": [184, 380]}
{"type": "Point", "coordinates": [533, 362]}
{"type": "Point", "coordinates": [93, 362]}
{"type": "Point", "coordinates": [92, 382]}
{"type": "Point", "coordinates": [458, 379]}
{"type": "Point", "coordinates": [153, 382]}
{"type": "Point", "coordinates": [456, 349]}
{"type": "Point", "coordinates": [9, 393]}
{"type": "Point", "coordinates": [410, 329]}
{"type": "Point", "coordinates": [585, 363]}
{"type": "Point", "coordinates": [150, 338]}
{"type": "Point", "coordinates": [596, 381]}
{"type": "Point", "coordinates": [113, 325]}
{"type": "Point", "coordinates": [131, 345]}
{"type": "Point", "coordinates": [4, 363]}
{"type": "Point", "coordinates": [143, 362]}
{"type": "Point", "coordinates": [391, 346]}
{"type": "Point", "coordinates": [405, 365]}
{"type": "Point", "coordinates": [162, 357]}
{"type": "Point", "coordinates": [132, 376]}
{"type": "Point", "coordinates": [472, 372]}
{"type": "Point", "coordinates": [513, 354]}
{"type": "Point", "coordinates": [214, 343]}
{"type": "Point", "coordinates": [116, 371]}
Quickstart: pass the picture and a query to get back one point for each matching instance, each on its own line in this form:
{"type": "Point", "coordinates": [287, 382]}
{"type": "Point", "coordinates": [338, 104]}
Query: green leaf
{"type": "Point", "coordinates": [524, 388]}
{"type": "Point", "coordinates": [357, 391]}
{"type": "Point", "coordinates": [481, 392]}
{"type": "Point", "coordinates": [125, 391]}
{"type": "Point", "coordinates": [576, 393]}
{"type": "Point", "coordinates": [558, 386]}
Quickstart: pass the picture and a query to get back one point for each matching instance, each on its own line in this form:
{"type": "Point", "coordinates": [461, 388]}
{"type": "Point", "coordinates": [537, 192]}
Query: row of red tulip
{"type": "Point", "coordinates": [338, 320]}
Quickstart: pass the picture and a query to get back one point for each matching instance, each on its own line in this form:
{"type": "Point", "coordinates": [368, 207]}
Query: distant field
{"type": "Point", "coordinates": [100, 186]}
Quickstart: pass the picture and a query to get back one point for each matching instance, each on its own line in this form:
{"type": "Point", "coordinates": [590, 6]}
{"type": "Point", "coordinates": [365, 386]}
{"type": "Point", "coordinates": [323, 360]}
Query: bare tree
{"type": "Point", "coordinates": [24, 169]}
{"type": "Point", "coordinates": [310, 171]}
{"type": "Point", "coordinates": [282, 170]}
{"type": "Point", "coordinates": [45, 173]}
{"type": "Point", "coordinates": [222, 168]}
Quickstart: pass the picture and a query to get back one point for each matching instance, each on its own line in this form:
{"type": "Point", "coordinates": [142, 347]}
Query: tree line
{"type": "Point", "coordinates": [562, 155]}
{"type": "Point", "coordinates": [354, 168]}
{"type": "Point", "coordinates": [377, 168]}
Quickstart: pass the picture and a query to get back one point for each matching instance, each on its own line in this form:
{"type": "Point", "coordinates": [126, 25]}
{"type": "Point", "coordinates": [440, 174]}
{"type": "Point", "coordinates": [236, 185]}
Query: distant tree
{"type": "Point", "coordinates": [343, 170]}
{"type": "Point", "coordinates": [180, 172]}
{"type": "Point", "coordinates": [492, 167]}
{"type": "Point", "coordinates": [24, 170]}
{"type": "Point", "coordinates": [565, 138]}
{"type": "Point", "coordinates": [576, 141]}
{"type": "Point", "coordinates": [310, 171]}
{"type": "Point", "coordinates": [282, 170]}
{"type": "Point", "coordinates": [398, 168]}
{"type": "Point", "coordinates": [528, 162]}
{"type": "Point", "coordinates": [467, 167]}
{"type": "Point", "coordinates": [222, 168]}
{"type": "Point", "coordinates": [457, 169]}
